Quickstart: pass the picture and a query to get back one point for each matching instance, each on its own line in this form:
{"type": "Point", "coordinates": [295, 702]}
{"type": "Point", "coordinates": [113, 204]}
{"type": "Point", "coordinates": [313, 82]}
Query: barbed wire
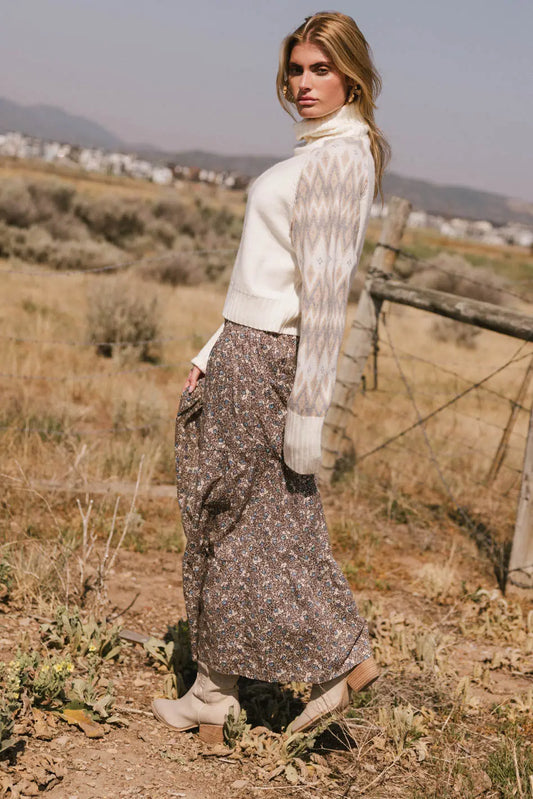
{"type": "Point", "coordinates": [422, 419]}
{"type": "Point", "coordinates": [437, 394]}
{"type": "Point", "coordinates": [432, 456]}
{"type": "Point", "coordinates": [93, 376]}
{"type": "Point", "coordinates": [173, 339]}
{"type": "Point", "coordinates": [445, 455]}
{"type": "Point", "coordinates": [424, 456]}
{"type": "Point", "coordinates": [457, 411]}
{"type": "Point", "coordinates": [405, 356]}
{"type": "Point", "coordinates": [394, 393]}
{"type": "Point", "coordinates": [404, 415]}
{"type": "Point", "coordinates": [94, 431]}
{"type": "Point", "coordinates": [119, 343]}
{"type": "Point", "coordinates": [400, 252]}
{"type": "Point", "coordinates": [488, 389]}
{"type": "Point", "coordinates": [114, 267]}
{"type": "Point", "coordinates": [88, 343]}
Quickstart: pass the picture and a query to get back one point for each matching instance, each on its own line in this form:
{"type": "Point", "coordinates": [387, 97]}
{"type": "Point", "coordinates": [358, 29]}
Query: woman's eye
{"type": "Point", "coordinates": [322, 71]}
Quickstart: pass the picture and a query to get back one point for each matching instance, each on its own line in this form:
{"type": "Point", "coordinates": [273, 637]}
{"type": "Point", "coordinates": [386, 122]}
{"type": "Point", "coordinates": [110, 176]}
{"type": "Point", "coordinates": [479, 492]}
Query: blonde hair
{"type": "Point", "coordinates": [339, 36]}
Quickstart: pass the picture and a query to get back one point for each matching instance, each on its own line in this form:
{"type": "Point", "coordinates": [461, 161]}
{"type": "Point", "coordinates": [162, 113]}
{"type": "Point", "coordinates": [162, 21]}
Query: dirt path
{"type": "Point", "coordinates": [144, 759]}
{"type": "Point", "coordinates": [149, 761]}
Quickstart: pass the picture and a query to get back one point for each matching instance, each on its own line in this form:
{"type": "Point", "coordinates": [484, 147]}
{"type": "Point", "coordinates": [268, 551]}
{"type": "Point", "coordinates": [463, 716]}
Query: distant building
{"type": "Point", "coordinates": [417, 219]}
{"type": "Point", "coordinates": [162, 175]}
{"type": "Point", "coordinates": [91, 159]}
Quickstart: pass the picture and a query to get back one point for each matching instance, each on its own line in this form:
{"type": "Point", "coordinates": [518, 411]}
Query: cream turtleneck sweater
{"type": "Point", "coordinates": [303, 233]}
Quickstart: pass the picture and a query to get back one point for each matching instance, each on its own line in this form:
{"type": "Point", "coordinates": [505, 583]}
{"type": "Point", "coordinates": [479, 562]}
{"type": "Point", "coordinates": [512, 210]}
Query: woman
{"type": "Point", "coordinates": [265, 598]}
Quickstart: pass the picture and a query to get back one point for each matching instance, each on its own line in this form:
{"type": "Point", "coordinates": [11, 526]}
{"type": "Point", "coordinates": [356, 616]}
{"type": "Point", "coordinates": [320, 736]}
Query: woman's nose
{"type": "Point", "coordinates": [305, 81]}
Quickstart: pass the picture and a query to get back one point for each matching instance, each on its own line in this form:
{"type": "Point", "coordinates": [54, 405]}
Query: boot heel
{"type": "Point", "coordinates": [363, 675]}
{"type": "Point", "coordinates": [212, 733]}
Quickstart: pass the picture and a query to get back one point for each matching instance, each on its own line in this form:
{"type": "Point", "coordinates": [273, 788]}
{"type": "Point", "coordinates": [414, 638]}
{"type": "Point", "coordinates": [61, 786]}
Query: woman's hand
{"type": "Point", "coordinates": [194, 375]}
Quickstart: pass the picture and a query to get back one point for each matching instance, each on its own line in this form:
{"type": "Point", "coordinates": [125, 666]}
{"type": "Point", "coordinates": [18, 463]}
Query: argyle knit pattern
{"type": "Point", "coordinates": [324, 233]}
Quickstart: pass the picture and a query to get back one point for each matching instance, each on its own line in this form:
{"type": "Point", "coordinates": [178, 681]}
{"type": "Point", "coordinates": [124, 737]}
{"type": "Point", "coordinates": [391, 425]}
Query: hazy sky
{"type": "Point", "coordinates": [457, 103]}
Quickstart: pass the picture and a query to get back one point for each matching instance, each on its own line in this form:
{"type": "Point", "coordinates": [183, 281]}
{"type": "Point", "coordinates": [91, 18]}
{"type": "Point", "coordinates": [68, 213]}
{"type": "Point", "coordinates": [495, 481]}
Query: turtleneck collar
{"type": "Point", "coordinates": [345, 121]}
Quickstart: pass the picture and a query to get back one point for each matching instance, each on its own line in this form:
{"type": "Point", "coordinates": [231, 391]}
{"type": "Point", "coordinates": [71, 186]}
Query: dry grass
{"type": "Point", "coordinates": [452, 715]}
{"type": "Point", "coordinates": [68, 408]}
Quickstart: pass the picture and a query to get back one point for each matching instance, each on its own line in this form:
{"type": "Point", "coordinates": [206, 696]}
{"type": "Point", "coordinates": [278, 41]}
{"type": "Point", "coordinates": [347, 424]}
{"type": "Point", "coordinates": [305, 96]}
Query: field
{"type": "Point", "coordinates": [91, 542]}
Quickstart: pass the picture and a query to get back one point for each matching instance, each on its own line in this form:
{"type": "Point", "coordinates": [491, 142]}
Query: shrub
{"type": "Point", "coordinates": [48, 222]}
{"type": "Point", "coordinates": [24, 204]}
{"type": "Point", "coordinates": [122, 314]}
{"type": "Point", "coordinates": [453, 274]}
{"type": "Point", "coordinates": [161, 231]}
{"type": "Point", "coordinates": [83, 255]}
{"type": "Point", "coordinates": [6, 235]}
{"type": "Point", "coordinates": [6, 580]}
{"type": "Point", "coordinates": [458, 333]}
{"type": "Point", "coordinates": [221, 221]}
{"type": "Point", "coordinates": [176, 269]}
{"type": "Point", "coordinates": [66, 227]}
{"type": "Point", "coordinates": [180, 217]}
{"type": "Point", "coordinates": [16, 204]}
{"type": "Point", "coordinates": [51, 196]}
{"type": "Point", "coordinates": [37, 246]}
{"type": "Point", "coordinates": [34, 245]}
{"type": "Point", "coordinates": [115, 219]}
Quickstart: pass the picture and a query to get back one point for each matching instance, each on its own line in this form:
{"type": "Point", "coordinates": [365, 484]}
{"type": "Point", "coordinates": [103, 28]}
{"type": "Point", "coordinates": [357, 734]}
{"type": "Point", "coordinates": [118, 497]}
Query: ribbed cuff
{"type": "Point", "coordinates": [302, 443]}
{"type": "Point", "coordinates": [202, 358]}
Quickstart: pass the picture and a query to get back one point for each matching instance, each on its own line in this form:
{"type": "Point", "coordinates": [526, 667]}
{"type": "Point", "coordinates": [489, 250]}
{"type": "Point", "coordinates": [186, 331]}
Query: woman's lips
{"type": "Point", "coordinates": [307, 100]}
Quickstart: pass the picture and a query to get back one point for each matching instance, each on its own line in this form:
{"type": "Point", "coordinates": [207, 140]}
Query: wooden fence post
{"type": "Point", "coordinates": [504, 441]}
{"type": "Point", "coordinates": [352, 361]}
{"type": "Point", "coordinates": [521, 560]}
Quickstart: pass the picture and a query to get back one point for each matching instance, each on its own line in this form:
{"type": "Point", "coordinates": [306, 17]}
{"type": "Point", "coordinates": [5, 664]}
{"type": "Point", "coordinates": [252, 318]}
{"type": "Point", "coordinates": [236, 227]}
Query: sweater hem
{"type": "Point", "coordinates": [265, 313]}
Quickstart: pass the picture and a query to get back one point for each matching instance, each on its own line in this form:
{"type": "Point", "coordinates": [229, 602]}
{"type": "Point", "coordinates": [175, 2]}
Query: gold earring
{"type": "Point", "coordinates": [354, 94]}
{"type": "Point", "coordinates": [287, 94]}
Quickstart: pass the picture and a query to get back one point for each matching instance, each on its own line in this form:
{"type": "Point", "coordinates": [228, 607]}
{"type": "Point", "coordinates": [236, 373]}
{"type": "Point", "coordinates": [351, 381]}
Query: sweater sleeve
{"type": "Point", "coordinates": [201, 359]}
{"type": "Point", "coordinates": [324, 231]}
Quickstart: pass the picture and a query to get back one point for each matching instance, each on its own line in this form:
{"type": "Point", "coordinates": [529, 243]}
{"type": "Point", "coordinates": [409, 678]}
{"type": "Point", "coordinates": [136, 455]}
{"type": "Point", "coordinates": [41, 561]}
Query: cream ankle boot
{"type": "Point", "coordinates": [205, 705]}
{"type": "Point", "coordinates": [332, 696]}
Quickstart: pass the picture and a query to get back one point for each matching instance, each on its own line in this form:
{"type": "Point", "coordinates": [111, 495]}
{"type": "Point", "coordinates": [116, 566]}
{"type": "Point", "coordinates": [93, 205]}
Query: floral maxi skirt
{"type": "Point", "coordinates": [265, 598]}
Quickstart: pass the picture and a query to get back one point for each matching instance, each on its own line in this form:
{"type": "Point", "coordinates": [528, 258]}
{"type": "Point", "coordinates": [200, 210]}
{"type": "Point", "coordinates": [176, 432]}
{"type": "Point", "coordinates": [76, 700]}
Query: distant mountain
{"type": "Point", "coordinates": [459, 200]}
{"type": "Point", "coordinates": [49, 122]}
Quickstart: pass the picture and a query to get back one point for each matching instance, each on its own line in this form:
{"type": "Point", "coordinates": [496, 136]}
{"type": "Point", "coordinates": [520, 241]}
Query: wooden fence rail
{"type": "Point", "coordinates": [462, 309]}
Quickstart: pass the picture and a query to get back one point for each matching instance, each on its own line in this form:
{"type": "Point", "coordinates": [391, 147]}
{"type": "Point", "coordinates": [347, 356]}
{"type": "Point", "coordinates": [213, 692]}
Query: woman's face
{"type": "Point", "coordinates": [317, 86]}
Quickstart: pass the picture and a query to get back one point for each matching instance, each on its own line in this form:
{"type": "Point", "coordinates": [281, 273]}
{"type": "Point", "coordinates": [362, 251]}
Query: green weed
{"type": "Point", "coordinates": [81, 637]}
{"type": "Point", "coordinates": [510, 767]}
{"type": "Point", "coordinates": [174, 658]}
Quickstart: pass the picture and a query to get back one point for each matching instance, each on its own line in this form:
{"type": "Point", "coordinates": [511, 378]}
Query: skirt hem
{"type": "Point", "coordinates": [288, 676]}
